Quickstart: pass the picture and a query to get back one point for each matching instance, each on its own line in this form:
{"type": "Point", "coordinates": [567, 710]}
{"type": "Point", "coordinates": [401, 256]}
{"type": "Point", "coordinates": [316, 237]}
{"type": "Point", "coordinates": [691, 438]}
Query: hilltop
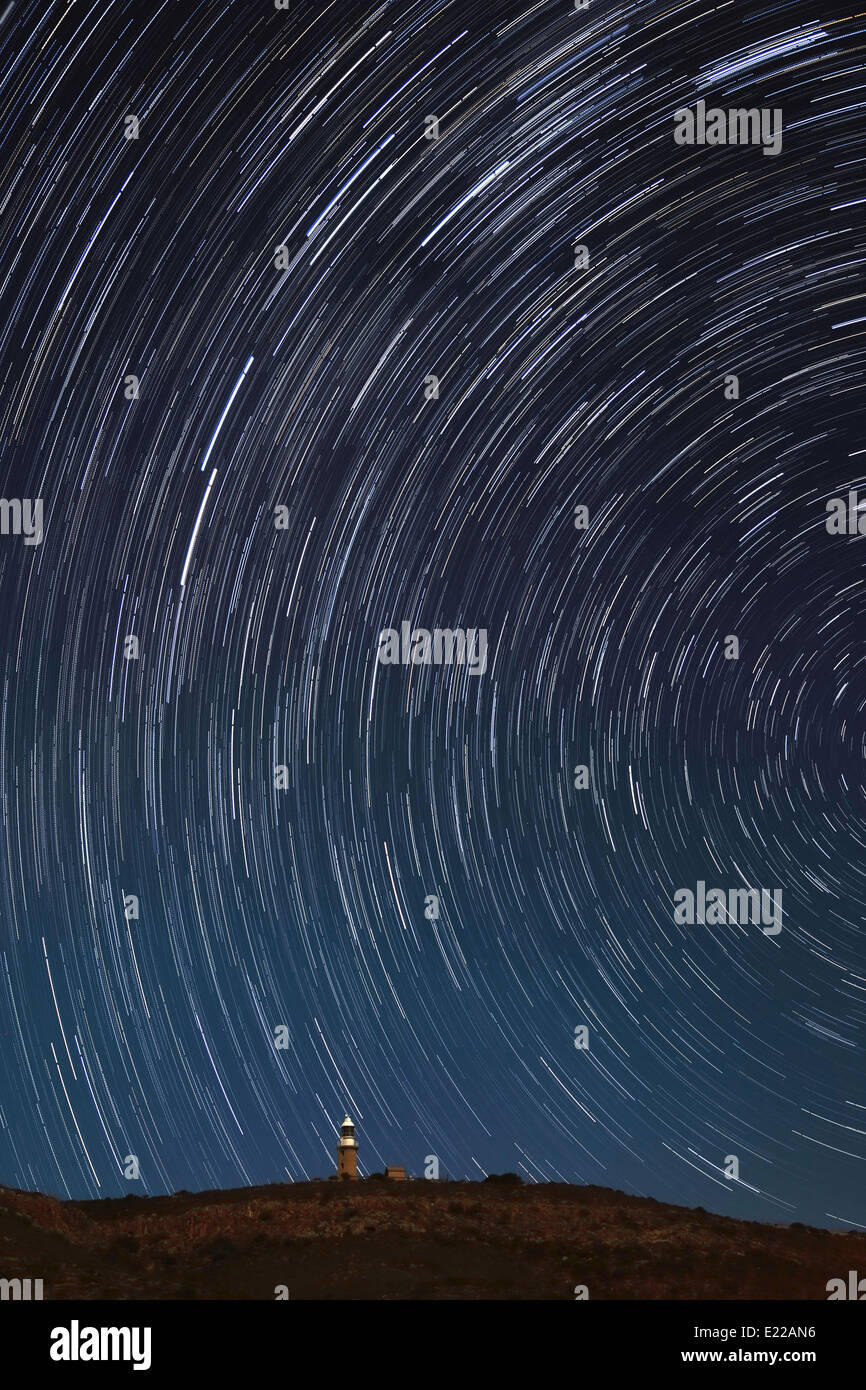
{"type": "Point", "coordinates": [414, 1240]}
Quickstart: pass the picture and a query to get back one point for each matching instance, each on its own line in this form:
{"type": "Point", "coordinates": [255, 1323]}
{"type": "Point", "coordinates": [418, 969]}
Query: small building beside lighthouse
{"type": "Point", "coordinates": [347, 1152]}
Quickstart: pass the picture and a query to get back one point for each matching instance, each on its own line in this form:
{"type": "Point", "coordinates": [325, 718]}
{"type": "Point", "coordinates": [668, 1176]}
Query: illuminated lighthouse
{"type": "Point", "coordinates": [347, 1152]}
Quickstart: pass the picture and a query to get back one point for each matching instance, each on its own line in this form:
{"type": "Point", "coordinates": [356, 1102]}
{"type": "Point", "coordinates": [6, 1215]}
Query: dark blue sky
{"type": "Point", "coordinates": [283, 261]}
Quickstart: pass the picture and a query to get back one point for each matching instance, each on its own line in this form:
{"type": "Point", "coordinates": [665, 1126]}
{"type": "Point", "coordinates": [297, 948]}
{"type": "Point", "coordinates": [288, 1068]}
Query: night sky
{"type": "Point", "coordinates": [284, 260]}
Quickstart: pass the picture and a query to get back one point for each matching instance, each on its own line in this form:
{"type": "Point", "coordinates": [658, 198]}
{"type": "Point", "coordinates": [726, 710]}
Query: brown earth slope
{"type": "Point", "coordinates": [414, 1240]}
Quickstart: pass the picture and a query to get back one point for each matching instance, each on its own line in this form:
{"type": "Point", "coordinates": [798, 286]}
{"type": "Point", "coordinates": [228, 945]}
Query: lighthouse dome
{"type": "Point", "coordinates": [347, 1134]}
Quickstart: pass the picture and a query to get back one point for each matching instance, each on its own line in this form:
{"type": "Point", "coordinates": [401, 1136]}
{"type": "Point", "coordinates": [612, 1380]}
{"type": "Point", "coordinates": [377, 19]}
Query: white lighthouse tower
{"type": "Point", "coordinates": [347, 1152]}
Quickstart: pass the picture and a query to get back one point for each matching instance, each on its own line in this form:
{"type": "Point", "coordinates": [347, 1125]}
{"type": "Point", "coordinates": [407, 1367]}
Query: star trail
{"type": "Point", "coordinates": [333, 320]}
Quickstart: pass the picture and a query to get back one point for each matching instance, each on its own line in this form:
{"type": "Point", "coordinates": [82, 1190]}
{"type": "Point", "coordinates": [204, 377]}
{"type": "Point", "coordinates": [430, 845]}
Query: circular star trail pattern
{"type": "Point", "coordinates": [283, 259]}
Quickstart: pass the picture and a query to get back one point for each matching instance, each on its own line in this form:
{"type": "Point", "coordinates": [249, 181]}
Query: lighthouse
{"type": "Point", "coordinates": [347, 1152]}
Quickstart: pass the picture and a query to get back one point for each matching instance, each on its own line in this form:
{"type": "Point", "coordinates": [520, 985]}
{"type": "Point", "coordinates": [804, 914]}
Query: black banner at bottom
{"type": "Point", "coordinates": [63, 1339]}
